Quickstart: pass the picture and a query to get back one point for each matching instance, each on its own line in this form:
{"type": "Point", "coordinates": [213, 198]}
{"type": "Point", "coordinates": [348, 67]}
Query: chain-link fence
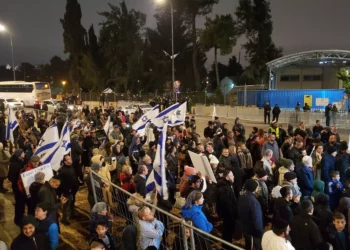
{"type": "Point", "coordinates": [178, 233]}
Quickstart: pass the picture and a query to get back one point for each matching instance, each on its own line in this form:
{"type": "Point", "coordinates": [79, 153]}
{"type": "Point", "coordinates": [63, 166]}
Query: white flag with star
{"type": "Point", "coordinates": [140, 124]}
{"type": "Point", "coordinates": [165, 116]}
{"type": "Point", "coordinates": [179, 115]}
{"type": "Point", "coordinates": [12, 124]}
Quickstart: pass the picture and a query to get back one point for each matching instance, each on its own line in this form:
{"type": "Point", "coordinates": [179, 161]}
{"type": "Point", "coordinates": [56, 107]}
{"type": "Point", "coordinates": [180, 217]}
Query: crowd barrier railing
{"type": "Point", "coordinates": [124, 207]}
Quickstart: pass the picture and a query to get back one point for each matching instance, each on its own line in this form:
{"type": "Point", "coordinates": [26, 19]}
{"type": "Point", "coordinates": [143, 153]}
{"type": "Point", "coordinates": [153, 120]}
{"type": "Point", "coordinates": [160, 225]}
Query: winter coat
{"type": "Point", "coordinates": [4, 164]}
{"type": "Point", "coordinates": [126, 183]}
{"type": "Point", "coordinates": [48, 194]}
{"type": "Point", "coordinates": [37, 242]}
{"type": "Point", "coordinates": [111, 239]}
{"type": "Point", "coordinates": [305, 180]}
{"type": "Point", "coordinates": [28, 153]}
{"type": "Point", "coordinates": [238, 128]}
{"type": "Point", "coordinates": [34, 190]}
{"type": "Point", "coordinates": [134, 150]}
{"type": "Point", "coordinates": [16, 165]}
{"type": "Point", "coordinates": [342, 163]}
{"type": "Point", "coordinates": [196, 215]}
{"type": "Point", "coordinates": [293, 154]}
{"type": "Point", "coordinates": [304, 232]}
{"type": "Point", "coordinates": [140, 185]}
{"type": "Point", "coordinates": [226, 204]}
{"type": "Point", "coordinates": [209, 132]}
{"type": "Point", "coordinates": [250, 215]}
{"type": "Point", "coordinates": [76, 151]}
{"type": "Point", "coordinates": [281, 171]}
{"type": "Point", "coordinates": [267, 109]}
{"type": "Point", "coordinates": [285, 210]}
{"type": "Point", "coordinates": [327, 166]}
{"type": "Point", "coordinates": [172, 164]}
{"type": "Point", "coordinates": [323, 217]}
{"type": "Point", "coordinates": [69, 180]}
{"type": "Point", "coordinates": [295, 188]}
{"type": "Point", "coordinates": [245, 159]}
{"type": "Point", "coordinates": [276, 111]}
{"type": "Point", "coordinates": [275, 149]}
{"type": "Point", "coordinates": [333, 238]}
{"type": "Point", "coordinates": [318, 187]}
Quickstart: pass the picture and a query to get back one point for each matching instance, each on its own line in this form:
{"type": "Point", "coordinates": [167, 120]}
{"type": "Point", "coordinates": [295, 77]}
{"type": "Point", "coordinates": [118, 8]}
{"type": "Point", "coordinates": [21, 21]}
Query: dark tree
{"type": "Point", "coordinates": [234, 68]}
{"type": "Point", "coordinates": [254, 19]}
{"type": "Point", "coordinates": [74, 37]}
{"type": "Point", "coordinates": [193, 9]}
{"type": "Point", "coordinates": [94, 47]}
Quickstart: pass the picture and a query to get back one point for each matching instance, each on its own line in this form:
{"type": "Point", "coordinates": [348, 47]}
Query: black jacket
{"type": "Point", "coordinates": [111, 238]}
{"type": "Point", "coordinates": [15, 167]}
{"type": "Point", "coordinates": [76, 151]}
{"type": "Point", "coordinates": [38, 242]}
{"type": "Point", "coordinates": [334, 240]}
{"type": "Point", "coordinates": [267, 109]}
{"type": "Point", "coordinates": [226, 203]}
{"type": "Point", "coordinates": [284, 210]}
{"type": "Point", "coordinates": [305, 233]}
{"type": "Point", "coordinates": [209, 132]}
{"type": "Point", "coordinates": [276, 111]}
{"type": "Point", "coordinates": [140, 184]}
{"type": "Point", "coordinates": [48, 194]}
{"type": "Point", "coordinates": [34, 190]}
{"type": "Point", "coordinates": [323, 217]}
{"type": "Point", "coordinates": [69, 181]}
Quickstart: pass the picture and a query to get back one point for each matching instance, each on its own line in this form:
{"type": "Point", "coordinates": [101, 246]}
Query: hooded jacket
{"type": "Point", "coordinates": [134, 150]}
{"type": "Point", "coordinates": [318, 188]}
{"type": "Point", "coordinates": [226, 200]}
{"type": "Point", "coordinates": [196, 215]}
{"type": "Point", "coordinates": [15, 167]}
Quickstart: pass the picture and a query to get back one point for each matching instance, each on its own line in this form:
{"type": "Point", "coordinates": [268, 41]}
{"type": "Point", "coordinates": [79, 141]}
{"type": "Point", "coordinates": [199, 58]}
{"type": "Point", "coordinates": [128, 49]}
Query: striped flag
{"type": "Point", "coordinates": [165, 116]}
{"type": "Point", "coordinates": [157, 178]}
{"type": "Point", "coordinates": [140, 125]}
{"type": "Point", "coordinates": [12, 124]}
{"type": "Point", "coordinates": [48, 141]}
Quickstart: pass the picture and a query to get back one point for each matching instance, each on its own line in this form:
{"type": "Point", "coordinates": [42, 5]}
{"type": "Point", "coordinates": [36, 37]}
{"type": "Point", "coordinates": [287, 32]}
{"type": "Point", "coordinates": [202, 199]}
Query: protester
{"type": "Point", "coordinates": [278, 237]}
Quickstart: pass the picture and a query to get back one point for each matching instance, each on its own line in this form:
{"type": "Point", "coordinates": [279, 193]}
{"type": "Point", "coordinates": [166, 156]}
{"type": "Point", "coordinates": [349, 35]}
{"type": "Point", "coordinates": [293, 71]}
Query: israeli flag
{"type": "Point", "coordinates": [157, 178]}
{"type": "Point", "coordinates": [62, 148]}
{"type": "Point", "coordinates": [140, 125]}
{"type": "Point", "coordinates": [12, 124]}
{"type": "Point", "coordinates": [76, 123]}
{"type": "Point", "coordinates": [107, 126]}
{"type": "Point", "coordinates": [48, 141]}
{"type": "Point", "coordinates": [165, 116]}
{"type": "Point", "coordinates": [179, 115]}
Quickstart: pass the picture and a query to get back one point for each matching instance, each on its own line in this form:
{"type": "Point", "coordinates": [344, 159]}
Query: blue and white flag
{"type": "Point", "coordinates": [62, 148]}
{"type": "Point", "coordinates": [165, 116]}
{"type": "Point", "coordinates": [107, 126]}
{"type": "Point", "coordinates": [179, 115]}
{"type": "Point", "coordinates": [140, 125]}
{"type": "Point", "coordinates": [157, 178]}
{"type": "Point", "coordinates": [76, 123]}
{"type": "Point", "coordinates": [48, 141]}
{"type": "Point", "coordinates": [12, 124]}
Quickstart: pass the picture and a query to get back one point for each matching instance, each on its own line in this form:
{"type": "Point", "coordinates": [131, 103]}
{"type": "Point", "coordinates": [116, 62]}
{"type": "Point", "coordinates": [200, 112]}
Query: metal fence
{"type": "Point", "coordinates": [124, 207]}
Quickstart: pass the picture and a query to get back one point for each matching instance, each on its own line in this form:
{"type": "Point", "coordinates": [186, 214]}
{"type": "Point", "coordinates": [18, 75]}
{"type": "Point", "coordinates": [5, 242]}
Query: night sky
{"type": "Point", "coordinates": [299, 25]}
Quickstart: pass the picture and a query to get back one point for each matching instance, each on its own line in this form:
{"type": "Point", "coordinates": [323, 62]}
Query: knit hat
{"type": "Point", "coordinates": [95, 166]}
{"type": "Point", "coordinates": [343, 146]}
{"type": "Point", "coordinates": [280, 224]}
{"type": "Point", "coordinates": [35, 158]}
{"type": "Point", "coordinates": [190, 170]}
{"type": "Point", "coordinates": [43, 205]}
{"type": "Point", "coordinates": [29, 220]}
{"type": "Point", "coordinates": [213, 159]}
{"type": "Point", "coordinates": [18, 152]}
{"type": "Point", "coordinates": [98, 207]}
{"type": "Point", "coordinates": [251, 185]}
{"type": "Point", "coordinates": [260, 172]}
{"type": "Point", "coordinates": [290, 176]}
{"type": "Point", "coordinates": [39, 176]}
{"type": "Point", "coordinates": [286, 162]}
{"type": "Point", "coordinates": [331, 150]}
{"type": "Point", "coordinates": [315, 135]}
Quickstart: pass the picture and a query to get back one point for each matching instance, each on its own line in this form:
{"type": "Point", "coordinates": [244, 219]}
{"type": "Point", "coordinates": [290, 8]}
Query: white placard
{"type": "Point", "coordinates": [201, 163]}
{"type": "Point", "coordinates": [28, 177]}
{"type": "Point", "coordinates": [322, 101]}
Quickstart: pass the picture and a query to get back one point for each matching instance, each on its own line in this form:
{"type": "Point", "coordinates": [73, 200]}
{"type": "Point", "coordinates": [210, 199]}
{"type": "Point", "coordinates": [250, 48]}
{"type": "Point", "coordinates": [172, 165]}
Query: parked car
{"type": "Point", "coordinates": [53, 105]}
{"type": "Point", "coordinates": [12, 103]}
{"type": "Point", "coordinates": [132, 107]}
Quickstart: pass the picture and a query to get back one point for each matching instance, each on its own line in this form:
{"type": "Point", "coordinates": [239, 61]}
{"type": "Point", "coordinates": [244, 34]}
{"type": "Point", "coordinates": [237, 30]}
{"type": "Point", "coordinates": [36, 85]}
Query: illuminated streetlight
{"type": "Point", "coordinates": [64, 83]}
{"type": "Point", "coordinates": [4, 29]}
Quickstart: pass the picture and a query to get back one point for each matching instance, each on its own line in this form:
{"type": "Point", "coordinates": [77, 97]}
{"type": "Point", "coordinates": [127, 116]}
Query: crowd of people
{"type": "Point", "coordinates": [294, 182]}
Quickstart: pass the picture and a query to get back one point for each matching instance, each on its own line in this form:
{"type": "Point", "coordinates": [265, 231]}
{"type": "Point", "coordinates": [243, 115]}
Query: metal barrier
{"type": "Point", "coordinates": [124, 207]}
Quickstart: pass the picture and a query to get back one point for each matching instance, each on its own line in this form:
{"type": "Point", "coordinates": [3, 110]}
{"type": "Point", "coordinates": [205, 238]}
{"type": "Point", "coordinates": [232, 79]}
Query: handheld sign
{"type": "Point", "coordinates": [28, 177]}
{"type": "Point", "coordinates": [201, 163]}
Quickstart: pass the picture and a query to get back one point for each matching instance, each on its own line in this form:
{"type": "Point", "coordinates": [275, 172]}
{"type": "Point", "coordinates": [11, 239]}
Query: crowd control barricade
{"type": "Point", "coordinates": [124, 207]}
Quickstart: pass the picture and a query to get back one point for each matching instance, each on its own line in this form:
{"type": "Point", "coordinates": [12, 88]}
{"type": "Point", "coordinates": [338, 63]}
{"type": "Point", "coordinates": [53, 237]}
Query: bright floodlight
{"type": "Point", "coordinates": [160, 1]}
{"type": "Point", "coordinates": [2, 28]}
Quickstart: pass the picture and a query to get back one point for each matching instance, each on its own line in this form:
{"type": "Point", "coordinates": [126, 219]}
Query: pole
{"type": "Point", "coordinates": [172, 45]}
{"type": "Point", "coordinates": [13, 60]}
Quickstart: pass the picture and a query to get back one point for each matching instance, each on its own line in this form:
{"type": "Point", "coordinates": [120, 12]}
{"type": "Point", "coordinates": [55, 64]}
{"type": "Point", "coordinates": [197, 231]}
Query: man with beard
{"type": "Point", "coordinates": [151, 230]}
{"type": "Point", "coordinates": [332, 142]}
{"type": "Point", "coordinates": [273, 146]}
{"type": "Point", "coordinates": [227, 205]}
{"type": "Point", "coordinates": [278, 237]}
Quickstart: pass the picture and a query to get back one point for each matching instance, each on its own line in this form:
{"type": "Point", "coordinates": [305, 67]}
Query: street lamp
{"type": "Point", "coordinates": [64, 84]}
{"type": "Point", "coordinates": [172, 39]}
{"type": "Point", "coordinates": [4, 29]}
